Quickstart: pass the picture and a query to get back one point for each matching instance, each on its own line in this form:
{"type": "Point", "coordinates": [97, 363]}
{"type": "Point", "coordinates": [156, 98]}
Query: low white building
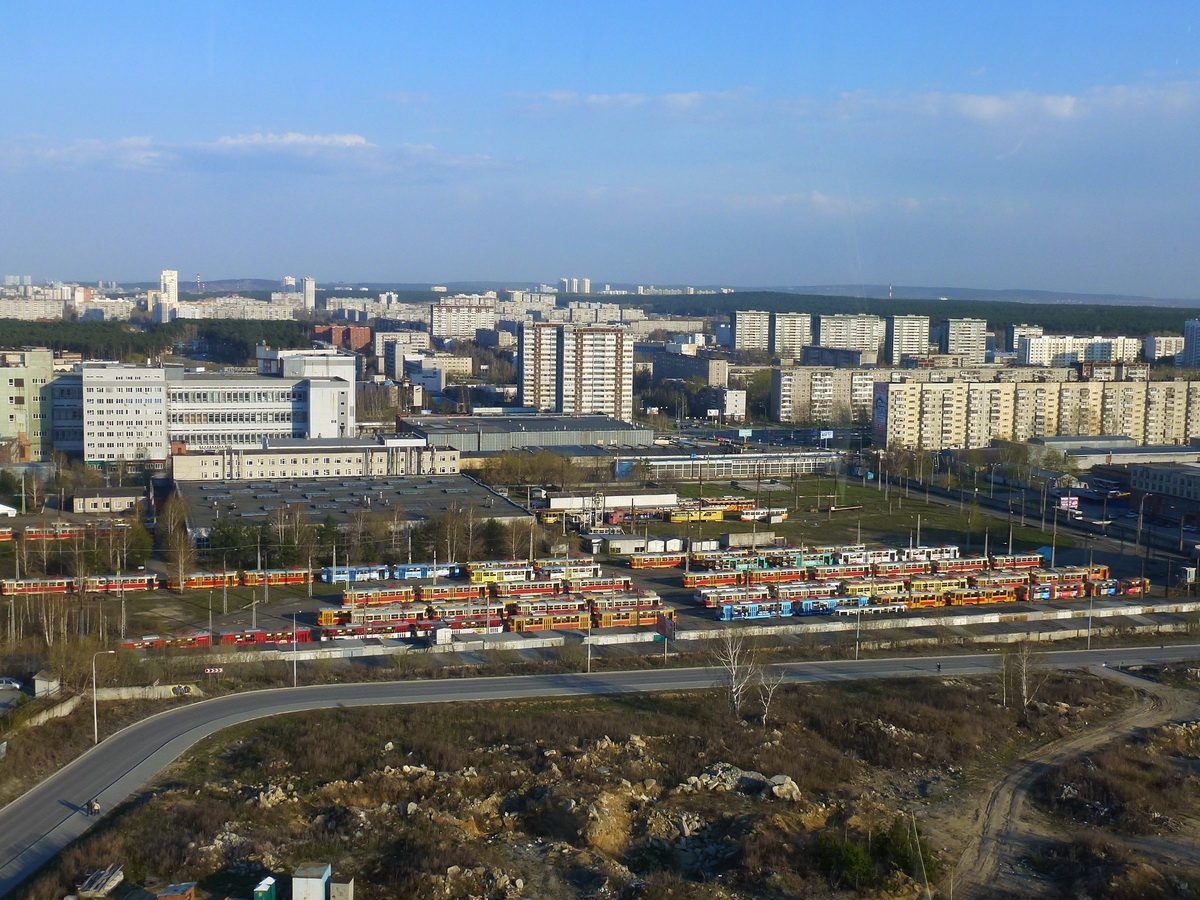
{"type": "Point", "coordinates": [316, 459]}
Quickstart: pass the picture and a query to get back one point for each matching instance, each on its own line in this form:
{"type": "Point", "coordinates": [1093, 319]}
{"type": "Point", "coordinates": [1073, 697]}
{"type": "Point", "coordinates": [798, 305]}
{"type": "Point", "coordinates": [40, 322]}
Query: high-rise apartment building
{"type": "Point", "coordinates": [966, 338]}
{"type": "Point", "coordinates": [461, 317]}
{"type": "Point", "coordinates": [791, 332]}
{"type": "Point", "coordinates": [576, 369]}
{"type": "Point", "coordinates": [751, 329]}
{"type": "Point", "coordinates": [168, 284]}
{"type": "Point", "coordinates": [1014, 333]}
{"type": "Point", "coordinates": [308, 289]}
{"type": "Point", "coordinates": [851, 332]}
{"type": "Point", "coordinates": [574, 285]}
{"type": "Point", "coordinates": [906, 336]}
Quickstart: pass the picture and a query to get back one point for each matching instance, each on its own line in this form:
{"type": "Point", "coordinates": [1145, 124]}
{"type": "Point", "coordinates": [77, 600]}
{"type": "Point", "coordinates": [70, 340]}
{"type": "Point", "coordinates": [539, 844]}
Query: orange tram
{"type": "Point", "coordinates": [415, 619]}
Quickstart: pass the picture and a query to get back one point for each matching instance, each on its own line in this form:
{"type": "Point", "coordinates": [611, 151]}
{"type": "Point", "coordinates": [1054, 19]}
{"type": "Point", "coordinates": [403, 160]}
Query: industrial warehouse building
{"type": "Point", "coordinates": [499, 434]}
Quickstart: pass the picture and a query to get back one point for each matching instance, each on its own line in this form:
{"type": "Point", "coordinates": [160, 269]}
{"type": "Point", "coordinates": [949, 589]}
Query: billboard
{"type": "Point", "coordinates": [1068, 503]}
{"type": "Point", "coordinates": [826, 435]}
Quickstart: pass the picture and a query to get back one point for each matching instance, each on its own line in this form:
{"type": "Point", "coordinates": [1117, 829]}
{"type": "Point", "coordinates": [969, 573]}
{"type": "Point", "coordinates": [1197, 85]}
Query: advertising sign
{"type": "Point", "coordinates": [826, 435]}
{"type": "Point", "coordinates": [1068, 503]}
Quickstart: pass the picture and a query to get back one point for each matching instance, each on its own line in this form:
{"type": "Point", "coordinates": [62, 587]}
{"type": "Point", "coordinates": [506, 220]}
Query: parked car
{"type": "Point", "coordinates": [10, 684]}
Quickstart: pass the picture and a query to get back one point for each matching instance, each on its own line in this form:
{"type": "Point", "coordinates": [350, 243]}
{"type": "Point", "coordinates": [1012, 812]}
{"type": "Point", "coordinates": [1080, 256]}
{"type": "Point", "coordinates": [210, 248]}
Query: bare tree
{"type": "Point", "coordinates": [181, 555]}
{"type": "Point", "coordinates": [1030, 666]}
{"type": "Point", "coordinates": [769, 682]}
{"type": "Point", "coordinates": [735, 657]}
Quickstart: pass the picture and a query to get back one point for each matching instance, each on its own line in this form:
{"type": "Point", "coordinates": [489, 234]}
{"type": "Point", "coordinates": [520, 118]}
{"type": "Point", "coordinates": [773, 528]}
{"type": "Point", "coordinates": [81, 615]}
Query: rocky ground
{"type": "Point", "coordinates": [664, 797]}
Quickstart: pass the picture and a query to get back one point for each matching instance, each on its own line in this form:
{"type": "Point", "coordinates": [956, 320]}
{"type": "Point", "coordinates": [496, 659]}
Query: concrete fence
{"type": "Point", "coordinates": [152, 692]}
{"type": "Point", "coordinates": [65, 708]}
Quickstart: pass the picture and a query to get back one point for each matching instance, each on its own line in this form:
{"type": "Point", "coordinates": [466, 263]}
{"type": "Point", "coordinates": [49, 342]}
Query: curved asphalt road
{"type": "Point", "coordinates": [40, 823]}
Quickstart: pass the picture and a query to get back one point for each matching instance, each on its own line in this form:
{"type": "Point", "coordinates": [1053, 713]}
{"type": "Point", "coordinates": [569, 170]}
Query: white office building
{"type": "Point", "coordinates": [108, 411]}
{"type": "Point", "coordinates": [124, 412]}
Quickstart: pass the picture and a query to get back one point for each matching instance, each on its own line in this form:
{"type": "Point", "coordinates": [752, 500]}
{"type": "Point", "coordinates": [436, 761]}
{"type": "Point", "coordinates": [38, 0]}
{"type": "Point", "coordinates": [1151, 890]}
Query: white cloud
{"type": "Point", "coordinates": [285, 151]}
{"type": "Point", "coordinates": [292, 140]}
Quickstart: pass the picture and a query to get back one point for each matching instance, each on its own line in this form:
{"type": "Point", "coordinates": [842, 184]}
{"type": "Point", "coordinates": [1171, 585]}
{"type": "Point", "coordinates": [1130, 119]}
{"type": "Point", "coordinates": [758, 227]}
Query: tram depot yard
{"type": "Point", "coordinates": [907, 593]}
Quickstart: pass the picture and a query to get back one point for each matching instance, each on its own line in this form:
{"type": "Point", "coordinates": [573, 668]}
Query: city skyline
{"type": "Point", "coordinates": [694, 144]}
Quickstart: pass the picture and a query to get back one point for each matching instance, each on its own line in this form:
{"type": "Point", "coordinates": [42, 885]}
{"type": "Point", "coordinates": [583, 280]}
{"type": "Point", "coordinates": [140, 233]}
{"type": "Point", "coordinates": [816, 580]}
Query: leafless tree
{"type": "Point", "coordinates": [769, 682]}
{"type": "Point", "coordinates": [1031, 671]}
{"type": "Point", "coordinates": [733, 654]}
{"type": "Point", "coordinates": [181, 555]}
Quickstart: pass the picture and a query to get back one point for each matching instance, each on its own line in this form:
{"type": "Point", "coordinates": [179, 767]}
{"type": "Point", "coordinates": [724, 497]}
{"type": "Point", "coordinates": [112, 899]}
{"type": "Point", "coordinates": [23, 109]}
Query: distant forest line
{"type": "Point", "coordinates": [225, 340]}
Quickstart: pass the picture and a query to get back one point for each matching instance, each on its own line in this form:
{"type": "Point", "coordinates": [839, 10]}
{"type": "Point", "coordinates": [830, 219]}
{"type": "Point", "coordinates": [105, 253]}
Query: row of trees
{"type": "Point", "coordinates": [287, 538]}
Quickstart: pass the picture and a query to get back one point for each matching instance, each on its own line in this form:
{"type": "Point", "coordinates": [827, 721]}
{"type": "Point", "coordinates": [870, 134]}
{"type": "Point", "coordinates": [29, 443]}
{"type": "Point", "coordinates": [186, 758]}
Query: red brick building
{"type": "Point", "coordinates": [355, 338]}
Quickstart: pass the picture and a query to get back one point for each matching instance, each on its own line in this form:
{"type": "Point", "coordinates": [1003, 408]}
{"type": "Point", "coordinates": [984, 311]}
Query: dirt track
{"type": "Point", "coordinates": [988, 866]}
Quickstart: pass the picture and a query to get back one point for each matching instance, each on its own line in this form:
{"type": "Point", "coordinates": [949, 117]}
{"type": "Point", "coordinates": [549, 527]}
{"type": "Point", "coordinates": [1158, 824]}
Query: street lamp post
{"type": "Point", "coordinates": [95, 707]}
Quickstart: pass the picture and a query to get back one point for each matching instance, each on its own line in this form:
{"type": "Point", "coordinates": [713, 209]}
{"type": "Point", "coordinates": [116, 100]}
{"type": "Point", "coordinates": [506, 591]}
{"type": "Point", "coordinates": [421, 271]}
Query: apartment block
{"type": "Point", "coordinates": [791, 332]}
{"type": "Point", "coordinates": [935, 416]}
{"type": "Point", "coordinates": [751, 329]}
{"type": "Point", "coordinates": [1014, 333]}
{"type": "Point", "coordinates": [1067, 350]}
{"type": "Point", "coordinates": [851, 332]}
{"type": "Point", "coordinates": [26, 401]}
{"type": "Point", "coordinates": [355, 338]}
{"type": "Point", "coordinates": [576, 369]}
{"type": "Point", "coordinates": [1163, 346]}
{"type": "Point", "coordinates": [804, 394]}
{"type": "Point", "coordinates": [459, 317]}
{"type": "Point", "coordinates": [966, 338]}
{"type": "Point", "coordinates": [906, 337]}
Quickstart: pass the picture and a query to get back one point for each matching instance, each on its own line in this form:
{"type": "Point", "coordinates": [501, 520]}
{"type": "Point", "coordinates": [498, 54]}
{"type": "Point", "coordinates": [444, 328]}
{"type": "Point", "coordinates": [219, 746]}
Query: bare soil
{"type": "Point", "coordinates": [628, 797]}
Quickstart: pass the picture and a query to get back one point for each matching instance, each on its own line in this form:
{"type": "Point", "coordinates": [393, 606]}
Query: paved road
{"type": "Point", "coordinates": [37, 825]}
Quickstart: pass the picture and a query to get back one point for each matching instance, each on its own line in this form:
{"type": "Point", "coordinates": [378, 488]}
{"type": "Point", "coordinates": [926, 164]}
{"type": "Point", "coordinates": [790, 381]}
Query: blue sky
{"type": "Point", "coordinates": [1049, 146]}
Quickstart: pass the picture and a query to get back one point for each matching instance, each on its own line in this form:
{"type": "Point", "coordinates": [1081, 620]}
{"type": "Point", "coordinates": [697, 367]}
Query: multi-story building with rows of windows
{"type": "Point", "coordinates": [109, 412]}
{"type": "Point", "coordinates": [936, 416]}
